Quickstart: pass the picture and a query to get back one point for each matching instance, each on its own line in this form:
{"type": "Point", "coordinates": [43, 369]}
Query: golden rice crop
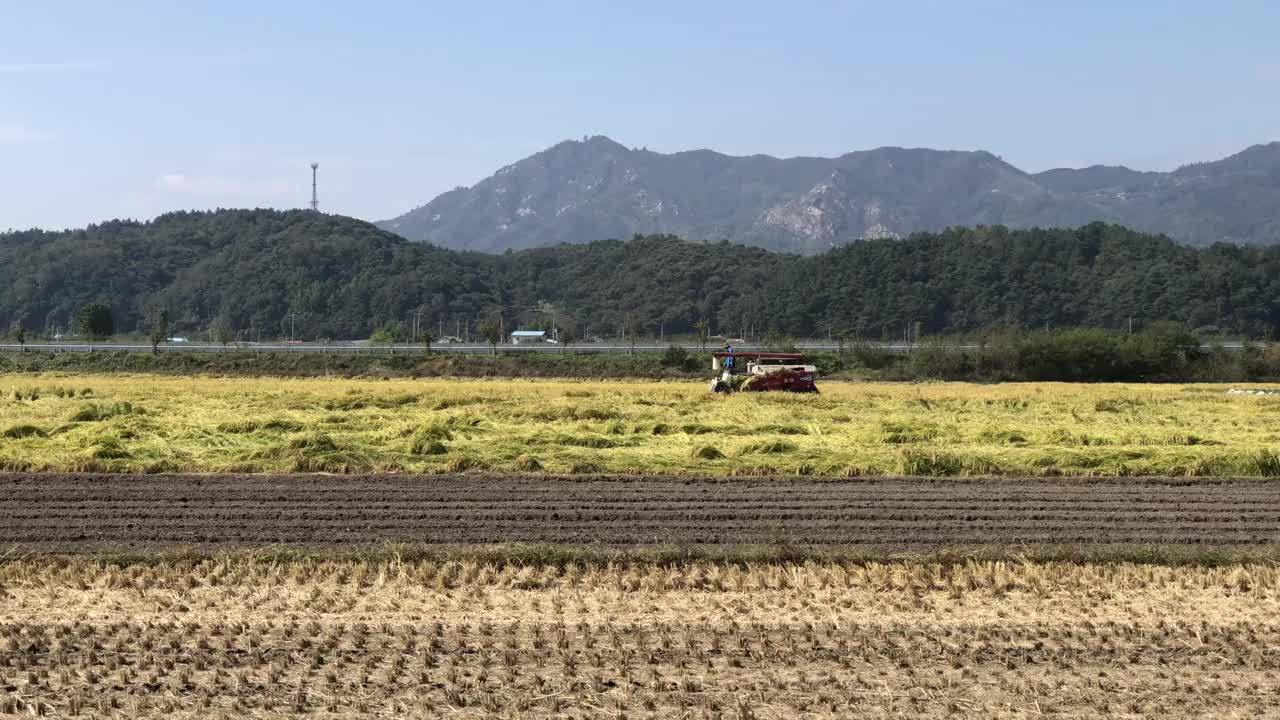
{"type": "Point", "coordinates": [148, 424]}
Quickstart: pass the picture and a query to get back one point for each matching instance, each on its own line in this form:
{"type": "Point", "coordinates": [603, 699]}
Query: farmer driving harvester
{"type": "Point", "coordinates": [763, 371]}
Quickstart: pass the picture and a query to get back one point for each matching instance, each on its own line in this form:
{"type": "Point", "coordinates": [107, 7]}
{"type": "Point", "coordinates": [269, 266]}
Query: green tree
{"type": "Point", "coordinates": [385, 334]}
{"type": "Point", "coordinates": [779, 343]}
{"type": "Point", "coordinates": [546, 315]}
{"type": "Point", "coordinates": [1165, 347]}
{"type": "Point", "coordinates": [675, 356]}
{"type": "Point", "coordinates": [567, 330]}
{"type": "Point", "coordinates": [95, 321]}
{"type": "Point", "coordinates": [427, 338]}
{"type": "Point", "coordinates": [491, 331]}
{"type": "Point", "coordinates": [19, 334]}
{"type": "Point", "coordinates": [220, 330]}
{"type": "Point", "coordinates": [704, 332]}
{"type": "Point", "coordinates": [159, 330]}
{"type": "Point", "coordinates": [631, 328]}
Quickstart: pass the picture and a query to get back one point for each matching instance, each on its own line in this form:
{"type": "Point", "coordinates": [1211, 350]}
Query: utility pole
{"type": "Point", "coordinates": [292, 316]}
{"type": "Point", "coordinates": [417, 315]}
{"type": "Point", "coordinates": [1130, 324]}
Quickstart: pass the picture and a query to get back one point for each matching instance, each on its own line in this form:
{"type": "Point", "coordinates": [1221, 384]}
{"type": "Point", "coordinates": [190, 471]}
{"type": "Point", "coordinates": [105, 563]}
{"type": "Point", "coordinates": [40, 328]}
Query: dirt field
{"type": "Point", "coordinates": [233, 638]}
{"type": "Point", "coordinates": [89, 513]}
{"type": "Point", "coordinates": [226, 634]}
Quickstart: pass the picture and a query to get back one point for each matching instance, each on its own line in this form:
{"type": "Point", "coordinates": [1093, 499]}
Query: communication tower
{"type": "Point", "coordinates": [315, 199]}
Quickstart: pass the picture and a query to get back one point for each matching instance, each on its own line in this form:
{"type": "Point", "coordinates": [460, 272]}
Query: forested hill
{"type": "Point", "coordinates": [343, 278]}
{"type": "Point", "coordinates": [253, 265]}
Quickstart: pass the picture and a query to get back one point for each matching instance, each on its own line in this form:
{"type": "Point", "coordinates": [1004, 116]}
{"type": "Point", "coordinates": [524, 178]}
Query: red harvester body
{"type": "Point", "coordinates": [762, 372]}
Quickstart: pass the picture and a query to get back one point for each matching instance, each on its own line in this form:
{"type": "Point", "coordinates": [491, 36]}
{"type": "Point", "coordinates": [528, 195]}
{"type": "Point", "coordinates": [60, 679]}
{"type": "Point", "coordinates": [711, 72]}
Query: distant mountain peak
{"type": "Point", "coordinates": [592, 188]}
{"type": "Point", "coordinates": [1263, 156]}
{"type": "Point", "coordinates": [592, 142]}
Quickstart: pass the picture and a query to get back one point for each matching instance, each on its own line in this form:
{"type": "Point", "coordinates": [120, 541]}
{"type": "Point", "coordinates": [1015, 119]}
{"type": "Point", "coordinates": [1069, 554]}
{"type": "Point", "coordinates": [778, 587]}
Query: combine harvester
{"type": "Point", "coordinates": [761, 372]}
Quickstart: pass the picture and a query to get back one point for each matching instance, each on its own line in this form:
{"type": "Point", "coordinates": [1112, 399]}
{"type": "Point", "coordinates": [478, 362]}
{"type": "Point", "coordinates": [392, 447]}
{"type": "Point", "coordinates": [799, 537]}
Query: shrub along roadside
{"type": "Point", "coordinates": [547, 365]}
{"type": "Point", "coordinates": [1163, 353]}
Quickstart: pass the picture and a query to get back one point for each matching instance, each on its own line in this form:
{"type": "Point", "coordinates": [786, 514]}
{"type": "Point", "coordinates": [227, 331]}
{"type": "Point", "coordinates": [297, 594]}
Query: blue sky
{"type": "Point", "coordinates": [131, 108]}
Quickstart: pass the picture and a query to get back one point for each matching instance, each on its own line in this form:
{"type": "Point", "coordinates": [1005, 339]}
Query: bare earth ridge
{"type": "Point", "coordinates": [89, 513]}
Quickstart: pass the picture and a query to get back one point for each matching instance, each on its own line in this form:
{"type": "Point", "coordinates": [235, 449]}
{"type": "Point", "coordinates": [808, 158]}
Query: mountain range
{"type": "Point", "coordinates": [579, 191]}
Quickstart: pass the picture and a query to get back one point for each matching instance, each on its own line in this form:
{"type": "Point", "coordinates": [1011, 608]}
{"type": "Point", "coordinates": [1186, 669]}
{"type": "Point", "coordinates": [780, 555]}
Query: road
{"type": "Point", "coordinates": [347, 348]}
{"type": "Point", "coordinates": [400, 349]}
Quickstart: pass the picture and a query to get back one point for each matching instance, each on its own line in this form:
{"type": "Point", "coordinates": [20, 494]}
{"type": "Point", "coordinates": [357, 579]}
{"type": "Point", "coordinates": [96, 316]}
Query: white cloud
{"type": "Point", "coordinates": [19, 135]}
{"type": "Point", "coordinates": [216, 186]}
{"type": "Point", "coordinates": [173, 183]}
{"type": "Point", "coordinates": [47, 67]}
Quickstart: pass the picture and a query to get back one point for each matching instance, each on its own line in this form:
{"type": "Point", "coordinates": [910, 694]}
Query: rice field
{"type": "Point", "coordinates": [237, 637]}
{"type": "Point", "coordinates": [148, 424]}
{"type": "Point", "coordinates": [533, 576]}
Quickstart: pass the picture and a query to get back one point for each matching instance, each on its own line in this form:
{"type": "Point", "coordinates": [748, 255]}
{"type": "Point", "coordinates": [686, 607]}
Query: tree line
{"type": "Point", "coordinates": [252, 274]}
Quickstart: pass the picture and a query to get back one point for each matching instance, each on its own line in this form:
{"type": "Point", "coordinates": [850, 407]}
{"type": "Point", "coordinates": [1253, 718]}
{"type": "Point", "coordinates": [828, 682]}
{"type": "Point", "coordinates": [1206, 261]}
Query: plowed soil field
{"type": "Point", "coordinates": [91, 513]}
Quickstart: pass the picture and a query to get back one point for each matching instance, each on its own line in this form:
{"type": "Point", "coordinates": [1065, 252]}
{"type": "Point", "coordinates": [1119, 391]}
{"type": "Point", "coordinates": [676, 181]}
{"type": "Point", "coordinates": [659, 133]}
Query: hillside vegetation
{"type": "Point", "coordinates": [343, 278]}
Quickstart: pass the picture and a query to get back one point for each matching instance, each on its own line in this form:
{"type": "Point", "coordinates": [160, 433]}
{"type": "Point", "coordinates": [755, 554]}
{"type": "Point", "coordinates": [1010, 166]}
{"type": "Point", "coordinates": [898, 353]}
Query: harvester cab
{"type": "Point", "coordinates": [761, 372]}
